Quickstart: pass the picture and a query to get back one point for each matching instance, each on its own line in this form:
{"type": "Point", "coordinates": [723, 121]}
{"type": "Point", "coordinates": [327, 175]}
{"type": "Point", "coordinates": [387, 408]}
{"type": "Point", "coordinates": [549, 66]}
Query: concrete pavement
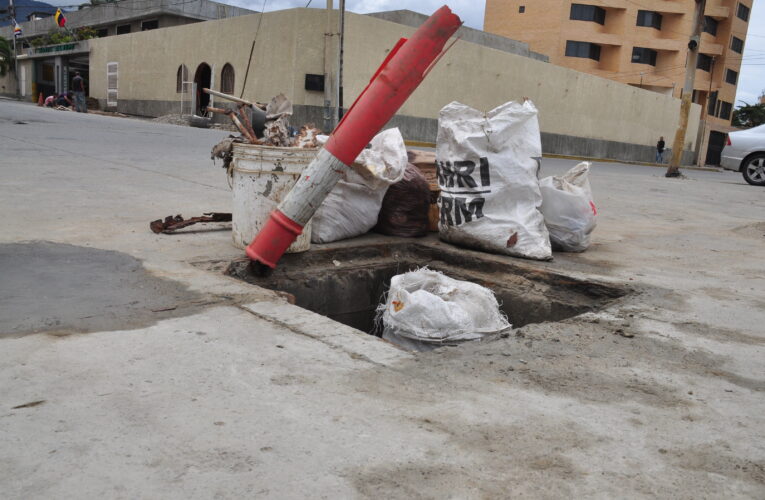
{"type": "Point", "coordinates": [236, 393]}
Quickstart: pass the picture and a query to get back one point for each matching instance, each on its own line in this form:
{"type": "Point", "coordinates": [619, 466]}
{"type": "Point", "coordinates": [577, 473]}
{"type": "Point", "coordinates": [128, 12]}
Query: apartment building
{"type": "Point", "coordinates": [642, 43]}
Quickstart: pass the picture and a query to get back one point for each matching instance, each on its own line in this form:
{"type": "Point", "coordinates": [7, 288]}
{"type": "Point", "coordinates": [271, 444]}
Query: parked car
{"type": "Point", "coordinates": [745, 152]}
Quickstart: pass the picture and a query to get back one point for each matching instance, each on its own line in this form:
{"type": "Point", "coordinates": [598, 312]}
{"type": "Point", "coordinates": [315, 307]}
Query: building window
{"type": "Point", "coordinates": [725, 109]}
{"type": "Point", "coordinates": [521, 9]}
{"type": "Point", "coordinates": [737, 45]}
{"type": "Point", "coordinates": [182, 75]}
{"type": "Point", "coordinates": [649, 18]}
{"type": "Point", "coordinates": [314, 82]}
{"type": "Point", "coordinates": [227, 79]}
{"type": "Point", "coordinates": [583, 49]}
{"type": "Point", "coordinates": [704, 62]}
{"type": "Point", "coordinates": [149, 25]}
{"type": "Point", "coordinates": [123, 29]}
{"type": "Point", "coordinates": [102, 32]}
{"type": "Point", "coordinates": [731, 76]}
{"type": "Point", "coordinates": [582, 12]}
{"type": "Point", "coordinates": [742, 12]}
{"type": "Point", "coordinates": [710, 26]}
{"type": "Point", "coordinates": [712, 103]}
{"type": "Point", "coordinates": [641, 55]}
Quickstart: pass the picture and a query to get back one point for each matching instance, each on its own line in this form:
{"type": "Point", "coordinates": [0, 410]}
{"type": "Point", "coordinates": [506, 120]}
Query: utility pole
{"type": "Point", "coordinates": [12, 12]}
{"type": "Point", "coordinates": [339, 96]}
{"type": "Point", "coordinates": [328, 80]}
{"type": "Point", "coordinates": [690, 75]}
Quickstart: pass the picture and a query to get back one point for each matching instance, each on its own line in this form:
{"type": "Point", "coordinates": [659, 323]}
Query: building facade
{"type": "Point", "coordinates": [643, 44]}
{"type": "Point", "coordinates": [49, 69]}
{"type": "Point", "coordinates": [580, 114]}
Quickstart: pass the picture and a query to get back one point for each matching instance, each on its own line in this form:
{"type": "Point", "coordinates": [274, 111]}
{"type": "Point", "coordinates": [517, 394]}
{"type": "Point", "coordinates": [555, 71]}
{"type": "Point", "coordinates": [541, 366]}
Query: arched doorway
{"type": "Point", "coordinates": [202, 79]}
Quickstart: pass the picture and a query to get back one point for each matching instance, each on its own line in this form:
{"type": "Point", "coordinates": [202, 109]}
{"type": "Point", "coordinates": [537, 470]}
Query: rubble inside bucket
{"type": "Point", "coordinates": [263, 125]}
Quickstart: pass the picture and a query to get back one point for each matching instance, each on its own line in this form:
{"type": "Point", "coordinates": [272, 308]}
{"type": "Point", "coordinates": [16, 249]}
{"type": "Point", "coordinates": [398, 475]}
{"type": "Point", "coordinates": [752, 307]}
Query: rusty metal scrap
{"type": "Point", "coordinates": [174, 222]}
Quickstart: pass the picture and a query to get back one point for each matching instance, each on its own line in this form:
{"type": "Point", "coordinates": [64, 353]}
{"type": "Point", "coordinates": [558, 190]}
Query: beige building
{"type": "Point", "coordinates": [296, 53]}
{"type": "Point", "coordinates": [643, 44]}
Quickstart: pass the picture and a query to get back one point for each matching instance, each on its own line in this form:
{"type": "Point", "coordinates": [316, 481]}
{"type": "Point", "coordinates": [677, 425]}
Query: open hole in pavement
{"type": "Point", "coordinates": [347, 283]}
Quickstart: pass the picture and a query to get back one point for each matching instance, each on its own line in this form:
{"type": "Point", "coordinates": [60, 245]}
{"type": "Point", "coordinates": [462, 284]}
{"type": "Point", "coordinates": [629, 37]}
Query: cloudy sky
{"type": "Point", "coordinates": [751, 77]}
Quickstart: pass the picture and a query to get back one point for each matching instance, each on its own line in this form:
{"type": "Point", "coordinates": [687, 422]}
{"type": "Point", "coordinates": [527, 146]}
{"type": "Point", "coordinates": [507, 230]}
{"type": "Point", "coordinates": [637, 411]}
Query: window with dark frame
{"type": "Point", "coordinates": [710, 25]}
{"type": "Point", "coordinates": [582, 12]}
{"type": "Point", "coordinates": [227, 79]}
{"type": "Point", "coordinates": [742, 11]}
{"type": "Point", "coordinates": [704, 62]}
{"type": "Point", "coordinates": [712, 103]}
{"type": "Point", "coordinates": [731, 76]}
{"type": "Point", "coordinates": [123, 29]}
{"type": "Point", "coordinates": [149, 25]}
{"type": "Point", "coordinates": [521, 9]}
{"type": "Point", "coordinates": [102, 32]}
{"type": "Point", "coordinates": [725, 109]}
{"type": "Point", "coordinates": [583, 49]}
{"type": "Point", "coordinates": [737, 45]}
{"type": "Point", "coordinates": [642, 55]}
{"type": "Point", "coordinates": [649, 19]}
{"type": "Point", "coordinates": [182, 75]}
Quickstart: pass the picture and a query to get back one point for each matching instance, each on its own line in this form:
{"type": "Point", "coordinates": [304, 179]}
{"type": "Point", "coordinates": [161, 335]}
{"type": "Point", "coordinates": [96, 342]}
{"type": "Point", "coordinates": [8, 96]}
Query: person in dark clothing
{"type": "Point", "coordinates": [660, 150]}
{"type": "Point", "coordinates": [78, 85]}
{"type": "Point", "coordinates": [64, 99]}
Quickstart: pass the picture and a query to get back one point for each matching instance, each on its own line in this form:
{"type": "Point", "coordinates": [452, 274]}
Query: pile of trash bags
{"type": "Point", "coordinates": [491, 198]}
{"type": "Point", "coordinates": [382, 190]}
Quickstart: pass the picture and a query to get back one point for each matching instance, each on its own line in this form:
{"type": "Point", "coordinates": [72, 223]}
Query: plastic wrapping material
{"type": "Point", "coordinates": [568, 208]}
{"type": "Point", "coordinates": [487, 171]}
{"type": "Point", "coordinates": [426, 309]}
{"type": "Point", "coordinates": [405, 207]}
{"type": "Point", "coordinates": [352, 207]}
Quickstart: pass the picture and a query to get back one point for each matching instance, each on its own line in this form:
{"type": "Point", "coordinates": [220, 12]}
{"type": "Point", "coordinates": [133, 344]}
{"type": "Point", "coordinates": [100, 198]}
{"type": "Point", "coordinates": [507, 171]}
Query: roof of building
{"type": "Point", "coordinates": [23, 9]}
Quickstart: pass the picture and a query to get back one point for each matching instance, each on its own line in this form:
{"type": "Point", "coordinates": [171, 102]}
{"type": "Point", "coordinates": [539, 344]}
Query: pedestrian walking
{"type": "Point", "coordinates": [78, 86]}
{"type": "Point", "coordinates": [660, 150]}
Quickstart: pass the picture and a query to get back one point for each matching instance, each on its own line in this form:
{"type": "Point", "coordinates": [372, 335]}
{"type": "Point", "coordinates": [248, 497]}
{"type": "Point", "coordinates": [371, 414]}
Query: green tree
{"type": "Point", "coordinates": [6, 56]}
{"type": "Point", "coordinates": [748, 115]}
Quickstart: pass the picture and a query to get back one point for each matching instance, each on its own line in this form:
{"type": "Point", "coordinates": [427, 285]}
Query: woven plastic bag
{"type": "Point", "coordinates": [425, 309]}
{"type": "Point", "coordinates": [405, 207]}
{"type": "Point", "coordinates": [487, 167]}
{"type": "Point", "coordinates": [568, 208]}
{"type": "Point", "coordinates": [352, 207]}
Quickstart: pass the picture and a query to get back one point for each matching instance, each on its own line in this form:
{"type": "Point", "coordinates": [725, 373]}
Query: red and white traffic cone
{"type": "Point", "coordinates": [40, 99]}
{"type": "Point", "coordinates": [398, 76]}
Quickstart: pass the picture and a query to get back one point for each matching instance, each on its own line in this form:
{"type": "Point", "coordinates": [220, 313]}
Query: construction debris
{"type": "Point", "coordinates": [174, 223]}
{"type": "Point", "coordinates": [224, 150]}
{"type": "Point", "coordinates": [264, 124]}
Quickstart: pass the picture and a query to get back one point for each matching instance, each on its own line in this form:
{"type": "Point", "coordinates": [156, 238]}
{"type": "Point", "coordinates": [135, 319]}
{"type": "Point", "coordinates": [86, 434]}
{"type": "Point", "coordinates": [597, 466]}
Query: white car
{"type": "Point", "coordinates": [745, 152]}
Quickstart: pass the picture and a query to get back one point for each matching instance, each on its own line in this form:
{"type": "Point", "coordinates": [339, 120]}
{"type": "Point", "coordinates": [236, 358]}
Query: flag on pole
{"type": "Point", "coordinates": [16, 29]}
{"type": "Point", "coordinates": [60, 19]}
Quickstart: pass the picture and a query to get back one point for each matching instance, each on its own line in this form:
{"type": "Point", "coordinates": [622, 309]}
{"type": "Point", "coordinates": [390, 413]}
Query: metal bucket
{"type": "Point", "coordinates": [262, 176]}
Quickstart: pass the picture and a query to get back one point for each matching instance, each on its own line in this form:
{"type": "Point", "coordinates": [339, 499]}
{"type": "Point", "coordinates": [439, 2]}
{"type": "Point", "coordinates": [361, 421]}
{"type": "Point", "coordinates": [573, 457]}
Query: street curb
{"type": "Point", "coordinates": [584, 158]}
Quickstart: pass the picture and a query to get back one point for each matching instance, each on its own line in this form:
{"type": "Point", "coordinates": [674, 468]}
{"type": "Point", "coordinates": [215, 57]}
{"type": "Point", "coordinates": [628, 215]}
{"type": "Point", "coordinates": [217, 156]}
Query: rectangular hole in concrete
{"type": "Point", "coordinates": [347, 283]}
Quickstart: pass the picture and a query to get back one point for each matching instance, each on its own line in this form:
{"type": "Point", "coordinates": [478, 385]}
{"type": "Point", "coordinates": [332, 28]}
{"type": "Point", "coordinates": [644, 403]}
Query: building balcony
{"type": "Point", "coordinates": [710, 48]}
{"type": "Point", "coordinates": [717, 12]}
{"type": "Point", "coordinates": [593, 37]}
{"type": "Point", "coordinates": [663, 44]}
{"type": "Point", "coordinates": [671, 8]}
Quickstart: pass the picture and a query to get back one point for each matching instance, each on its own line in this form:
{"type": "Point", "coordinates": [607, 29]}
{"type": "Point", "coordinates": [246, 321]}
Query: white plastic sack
{"type": "Point", "coordinates": [351, 208]}
{"type": "Point", "coordinates": [569, 211]}
{"type": "Point", "coordinates": [427, 308]}
{"type": "Point", "coordinates": [487, 166]}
